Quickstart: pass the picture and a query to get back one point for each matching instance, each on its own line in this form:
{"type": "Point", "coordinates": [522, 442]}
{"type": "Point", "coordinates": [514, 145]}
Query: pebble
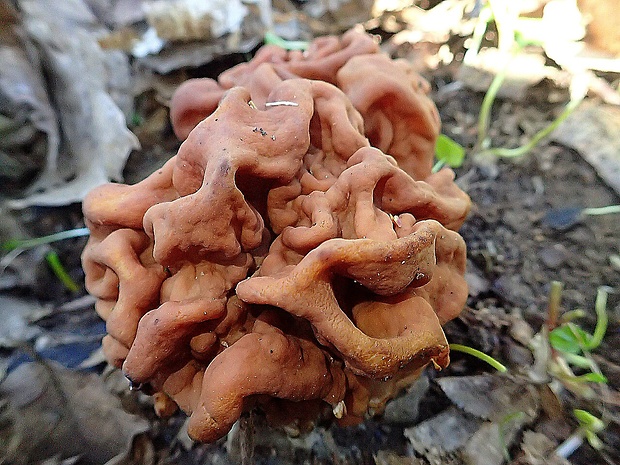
{"type": "Point", "coordinates": [405, 409]}
{"type": "Point", "coordinates": [553, 256]}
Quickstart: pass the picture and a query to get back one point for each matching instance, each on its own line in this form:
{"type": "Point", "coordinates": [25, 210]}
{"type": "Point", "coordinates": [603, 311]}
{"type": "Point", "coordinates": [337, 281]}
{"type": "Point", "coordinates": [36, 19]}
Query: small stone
{"type": "Point", "coordinates": [514, 289]}
{"type": "Point", "coordinates": [405, 409]}
{"type": "Point", "coordinates": [518, 355]}
{"type": "Point", "coordinates": [476, 282]}
{"type": "Point", "coordinates": [553, 256]}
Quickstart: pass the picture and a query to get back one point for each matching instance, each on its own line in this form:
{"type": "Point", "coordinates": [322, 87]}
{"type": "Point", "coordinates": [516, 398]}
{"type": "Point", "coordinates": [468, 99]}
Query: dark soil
{"type": "Point", "coordinates": [513, 257]}
{"type": "Point", "coordinates": [517, 254]}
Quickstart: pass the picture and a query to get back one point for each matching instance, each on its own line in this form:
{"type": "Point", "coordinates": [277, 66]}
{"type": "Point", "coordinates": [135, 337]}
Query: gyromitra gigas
{"type": "Point", "coordinates": [296, 254]}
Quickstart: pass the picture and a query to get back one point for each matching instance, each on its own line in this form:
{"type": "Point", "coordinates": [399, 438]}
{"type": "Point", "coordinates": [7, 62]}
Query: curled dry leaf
{"type": "Point", "coordinates": [592, 130]}
{"type": "Point", "coordinates": [95, 140]}
{"type": "Point", "coordinates": [28, 129]}
{"type": "Point", "coordinates": [444, 434]}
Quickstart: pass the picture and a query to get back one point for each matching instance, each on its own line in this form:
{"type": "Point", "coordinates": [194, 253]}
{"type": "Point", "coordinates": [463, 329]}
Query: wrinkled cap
{"type": "Point", "coordinates": [297, 255]}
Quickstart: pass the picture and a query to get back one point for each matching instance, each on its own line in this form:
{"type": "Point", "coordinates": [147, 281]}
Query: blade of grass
{"type": "Point", "coordinates": [485, 109]}
{"type": "Point", "coordinates": [600, 307]}
{"type": "Point", "coordinates": [602, 210]}
{"type": "Point", "coordinates": [56, 265]}
{"type": "Point", "coordinates": [30, 243]}
{"type": "Point", "coordinates": [540, 135]}
{"type": "Point", "coordinates": [272, 39]}
{"type": "Point", "coordinates": [480, 355]}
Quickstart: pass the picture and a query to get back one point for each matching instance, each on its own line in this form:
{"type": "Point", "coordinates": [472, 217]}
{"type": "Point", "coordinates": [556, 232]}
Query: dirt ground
{"type": "Point", "coordinates": [518, 254]}
{"type": "Point", "coordinates": [514, 254]}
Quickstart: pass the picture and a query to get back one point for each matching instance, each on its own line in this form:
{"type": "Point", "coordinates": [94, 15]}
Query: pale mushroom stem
{"type": "Point", "coordinates": [246, 438]}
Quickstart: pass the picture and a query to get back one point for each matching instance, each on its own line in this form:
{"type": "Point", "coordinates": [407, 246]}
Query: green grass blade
{"type": "Point", "coordinates": [56, 265]}
{"type": "Point", "coordinates": [480, 355]}
{"type": "Point", "coordinates": [30, 243]}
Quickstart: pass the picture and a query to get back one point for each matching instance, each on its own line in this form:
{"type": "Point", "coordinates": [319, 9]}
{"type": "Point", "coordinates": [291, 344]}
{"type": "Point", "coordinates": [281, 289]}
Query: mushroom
{"type": "Point", "coordinates": [296, 255]}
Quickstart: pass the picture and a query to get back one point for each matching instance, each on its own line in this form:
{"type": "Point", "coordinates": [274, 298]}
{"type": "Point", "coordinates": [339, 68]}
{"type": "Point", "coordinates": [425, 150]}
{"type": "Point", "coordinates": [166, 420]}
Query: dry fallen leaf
{"type": "Point", "coordinates": [443, 434]}
{"type": "Point", "coordinates": [405, 408]}
{"type": "Point", "coordinates": [56, 412]}
{"type": "Point", "coordinates": [95, 140]}
{"type": "Point", "coordinates": [16, 315]}
{"type": "Point", "coordinates": [593, 130]}
{"type": "Point", "coordinates": [491, 397]}
{"type": "Point", "coordinates": [28, 124]}
{"type": "Point", "coordinates": [538, 450]}
{"type": "Point", "coordinates": [185, 20]}
{"type": "Point", "coordinates": [492, 409]}
{"type": "Point", "coordinates": [336, 15]}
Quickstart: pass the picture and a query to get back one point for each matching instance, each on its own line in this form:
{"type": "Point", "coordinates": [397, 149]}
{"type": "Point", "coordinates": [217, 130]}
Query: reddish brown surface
{"type": "Point", "coordinates": [279, 257]}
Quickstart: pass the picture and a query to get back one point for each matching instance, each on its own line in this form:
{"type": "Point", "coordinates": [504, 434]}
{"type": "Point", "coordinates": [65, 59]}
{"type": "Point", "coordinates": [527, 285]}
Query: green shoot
{"type": "Point", "coordinates": [571, 343]}
{"type": "Point", "coordinates": [602, 210]}
{"type": "Point", "coordinates": [512, 41]}
{"type": "Point", "coordinates": [540, 135]}
{"type": "Point", "coordinates": [52, 258]}
{"type": "Point", "coordinates": [553, 306]}
{"type": "Point", "coordinates": [579, 361]}
{"type": "Point", "coordinates": [572, 339]}
{"type": "Point", "coordinates": [503, 427]}
{"type": "Point", "coordinates": [484, 117]}
{"type": "Point", "coordinates": [590, 378]}
{"type": "Point", "coordinates": [448, 152]}
{"type": "Point", "coordinates": [55, 264]}
{"type": "Point", "coordinates": [480, 355]}
{"type": "Point", "coordinates": [572, 315]}
{"type": "Point", "coordinates": [600, 307]}
{"type": "Point", "coordinates": [30, 243]}
{"type": "Point", "coordinates": [590, 426]}
{"type": "Point", "coordinates": [272, 39]}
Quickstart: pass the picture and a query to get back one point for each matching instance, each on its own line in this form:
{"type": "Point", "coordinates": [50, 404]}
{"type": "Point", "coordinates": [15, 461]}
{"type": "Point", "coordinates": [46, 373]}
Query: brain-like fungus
{"type": "Point", "coordinates": [296, 255]}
